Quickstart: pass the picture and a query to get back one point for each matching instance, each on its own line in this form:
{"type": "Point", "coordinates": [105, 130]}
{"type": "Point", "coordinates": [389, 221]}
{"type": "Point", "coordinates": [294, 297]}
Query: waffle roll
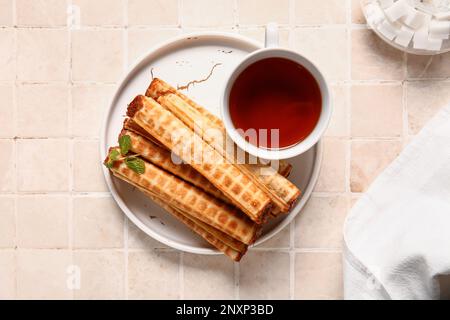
{"type": "Point", "coordinates": [233, 183]}
{"type": "Point", "coordinates": [132, 126]}
{"type": "Point", "coordinates": [160, 88]}
{"type": "Point", "coordinates": [280, 190]}
{"type": "Point", "coordinates": [161, 157]}
{"type": "Point", "coordinates": [221, 241]}
{"type": "Point", "coordinates": [184, 196]}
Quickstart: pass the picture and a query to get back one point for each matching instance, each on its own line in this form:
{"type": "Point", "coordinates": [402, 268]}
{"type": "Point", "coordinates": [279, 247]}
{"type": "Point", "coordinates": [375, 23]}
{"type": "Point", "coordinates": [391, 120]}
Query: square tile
{"type": "Point", "coordinates": [339, 123]}
{"type": "Point", "coordinates": [207, 13]}
{"type": "Point", "coordinates": [318, 276]}
{"type": "Point", "coordinates": [377, 110]}
{"type": "Point", "coordinates": [92, 13]}
{"type": "Point", "coordinates": [280, 240]}
{"type": "Point", "coordinates": [437, 66]}
{"type": "Point", "coordinates": [258, 34]}
{"type": "Point", "coordinates": [97, 223]}
{"type": "Point", "coordinates": [357, 13]}
{"type": "Point", "coordinates": [320, 223]}
{"type": "Point", "coordinates": [87, 166]}
{"type": "Point", "coordinates": [89, 103]}
{"type": "Point", "coordinates": [153, 275]}
{"type": "Point", "coordinates": [7, 112]}
{"type": "Point", "coordinates": [208, 277]}
{"type": "Point", "coordinates": [332, 176]}
{"type": "Point", "coordinates": [6, 14]}
{"type": "Point", "coordinates": [260, 278]}
{"type": "Point", "coordinates": [368, 159]}
{"type": "Point", "coordinates": [102, 274]}
{"type": "Point", "coordinates": [7, 54]}
{"type": "Point", "coordinates": [140, 41]}
{"type": "Point", "coordinates": [7, 223]}
{"type": "Point", "coordinates": [7, 275]}
{"type": "Point", "coordinates": [320, 12]}
{"type": "Point", "coordinates": [43, 55]}
{"type": "Point", "coordinates": [43, 222]}
{"type": "Point", "coordinates": [152, 12]}
{"type": "Point", "coordinates": [424, 100]}
{"type": "Point", "coordinates": [43, 274]}
{"type": "Point", "coordinates": [7, 170]}
{"type": "Point", "coordinates": [42, 110]}
{"type": "Point", "coordinates": [41, 13]}
{"type": "Point", "coordinates": [97, 55]}
{"type": "Point", "coordinates": [252, 12]}
{"type": "Point", "coordinates": [373, 59]}
{"type": "Point", "coordinates": [138, 239]}
{"type": "Point", "coordinates": [316, 44]}
{"type": "Point", "coordinates": [43, 165]}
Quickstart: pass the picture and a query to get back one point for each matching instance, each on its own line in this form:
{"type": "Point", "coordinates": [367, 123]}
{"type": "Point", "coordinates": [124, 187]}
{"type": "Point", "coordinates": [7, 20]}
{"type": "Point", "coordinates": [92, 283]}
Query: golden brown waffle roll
{"type": "Point", "coordinates": [180, 194]}
{"type": "Point", "coordinates": [159, 88]}
{"type": "Point", "coordinates": [203, 230]}
{"type": "Point", "coordinates": [220, 239]}
{"type": "Point", "coordinates": [162, 158]}
{"type": "Point", "coordinates": [224, 243]}
{"type": "Point", "coordinates": [284, 168]}
{"type": "Point", "coordinates": [236, 186]}
{"type": "Point", "coordinates": [130, 125]}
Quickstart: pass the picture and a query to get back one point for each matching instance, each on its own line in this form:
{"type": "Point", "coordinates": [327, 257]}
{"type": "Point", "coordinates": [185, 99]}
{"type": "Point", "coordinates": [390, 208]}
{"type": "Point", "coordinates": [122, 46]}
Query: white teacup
{"type": "Point", "coordinates": [272, 50]}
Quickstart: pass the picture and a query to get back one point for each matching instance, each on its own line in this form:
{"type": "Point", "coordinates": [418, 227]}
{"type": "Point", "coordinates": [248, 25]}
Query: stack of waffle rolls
{"type": "Point", "coordinates": [221, 224]}
{"type": "Point", "coordinates": [281, 191]}
{"type": "Point", "coordinates": [161, 124]}
{"type": "Point", "coordinates": [218, 198]}
{"type": "Point", "coordinates": [162, 158]}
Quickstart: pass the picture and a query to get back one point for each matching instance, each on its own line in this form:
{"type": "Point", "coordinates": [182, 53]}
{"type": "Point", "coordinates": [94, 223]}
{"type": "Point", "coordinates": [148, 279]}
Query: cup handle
{"type": "Point", "coordinates": [271, 35]}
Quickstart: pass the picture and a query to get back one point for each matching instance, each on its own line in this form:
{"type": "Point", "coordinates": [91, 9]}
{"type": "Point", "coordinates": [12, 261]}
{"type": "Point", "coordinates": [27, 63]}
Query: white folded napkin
{"type": "Point", "coordinates": [397, 236]}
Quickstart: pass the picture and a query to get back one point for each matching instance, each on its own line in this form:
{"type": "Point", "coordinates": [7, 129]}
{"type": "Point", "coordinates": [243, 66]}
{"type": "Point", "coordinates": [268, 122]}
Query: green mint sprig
{"type": "Point", "coordinates": [124, 144]}
{"type": "Point", "coordinates": [132, 161]}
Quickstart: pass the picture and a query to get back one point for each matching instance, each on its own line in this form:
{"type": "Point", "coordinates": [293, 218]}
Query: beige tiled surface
{"type": "Point", "coordinates": [55, 82]}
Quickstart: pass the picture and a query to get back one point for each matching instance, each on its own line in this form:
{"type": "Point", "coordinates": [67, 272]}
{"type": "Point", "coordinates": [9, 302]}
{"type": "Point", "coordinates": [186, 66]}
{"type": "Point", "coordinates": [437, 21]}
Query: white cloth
{"type": "Point", "coordinates": [397, 236]}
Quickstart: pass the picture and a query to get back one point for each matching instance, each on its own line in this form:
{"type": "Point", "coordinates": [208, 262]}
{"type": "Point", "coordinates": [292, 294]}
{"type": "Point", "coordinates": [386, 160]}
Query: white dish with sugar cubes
{"type": "Point", "coordinates": [414, 26]}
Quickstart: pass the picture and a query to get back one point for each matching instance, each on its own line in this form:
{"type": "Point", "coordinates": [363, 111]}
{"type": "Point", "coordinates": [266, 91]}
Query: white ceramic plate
{"type": "Point", "coordinates": [179, 61]}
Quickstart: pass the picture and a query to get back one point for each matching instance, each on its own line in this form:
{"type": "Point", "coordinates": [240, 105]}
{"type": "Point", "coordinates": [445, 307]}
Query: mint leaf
{"type": "Point", "coordinates": [109, 164]}
{"type": "Point", "coordinates": [114, 155]}
{"type": "Point", "coordinates": [135, 164]}
{"type": "Point", "coordinates": [124, 144]}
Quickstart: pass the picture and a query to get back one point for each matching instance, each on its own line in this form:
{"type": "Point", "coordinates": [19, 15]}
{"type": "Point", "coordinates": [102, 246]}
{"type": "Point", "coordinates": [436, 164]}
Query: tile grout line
{"type": "Point", "coordinates": [405, 122]}
{"type": "Point", "coordinates": [236, 269]}
{"type": "Point", "coordinates": [285, 250]}
{"type": "Point", "coordinates": [15, 150]}
{"type": "Point", "coordinates": [236, 14]}
{"type": "Point", "coordinates": [126, 221]}
{"type": "Point", "coordinates": [236, 265]}
{"type": "Point", "coordinates": [181, 256]}
{"type": "Point", "coordinates": [348, 93]}
{"type": "Point", "coordinates": [71, 146]}
{"type": "Point", "coordinates": [331, 82]}
{"type": "Point", "coordinates": [292, 224]}
{"type": "Point", "coordinates": [180, 14]}
{"type": "Point", "coordinates": [105, 194]}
